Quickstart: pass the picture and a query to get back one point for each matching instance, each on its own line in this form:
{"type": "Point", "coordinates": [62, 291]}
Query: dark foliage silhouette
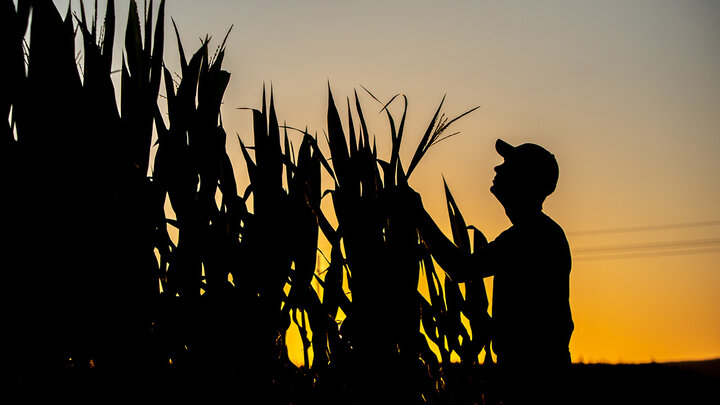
{"type": "Point", "coordinates": [100, 296]}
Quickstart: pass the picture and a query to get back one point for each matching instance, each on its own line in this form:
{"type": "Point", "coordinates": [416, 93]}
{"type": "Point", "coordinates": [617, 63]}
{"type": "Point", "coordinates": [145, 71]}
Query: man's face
{"type": "Point", "coordinates": [499, 183]}
{"type": "Point", "coordinates": [508, 181]}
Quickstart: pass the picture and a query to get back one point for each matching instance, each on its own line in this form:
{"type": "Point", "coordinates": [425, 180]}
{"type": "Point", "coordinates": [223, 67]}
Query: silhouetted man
{"type": "Point", "coordinates": [531, 264]}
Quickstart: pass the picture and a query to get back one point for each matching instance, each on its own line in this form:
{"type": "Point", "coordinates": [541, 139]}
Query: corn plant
{"type": "Point", "coordinates": [382, 256]}
{"type": "Point", "coordinates": [190, 165]}
{"type": "Point", "coordinates": [279, 244]}
{"type": "Point", "coordinates": [200, 325]}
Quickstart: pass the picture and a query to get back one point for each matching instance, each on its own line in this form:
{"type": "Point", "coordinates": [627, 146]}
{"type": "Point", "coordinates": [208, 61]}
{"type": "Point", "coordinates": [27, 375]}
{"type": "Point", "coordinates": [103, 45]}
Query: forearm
{"type": "Point", "coordinates": [453, 260]}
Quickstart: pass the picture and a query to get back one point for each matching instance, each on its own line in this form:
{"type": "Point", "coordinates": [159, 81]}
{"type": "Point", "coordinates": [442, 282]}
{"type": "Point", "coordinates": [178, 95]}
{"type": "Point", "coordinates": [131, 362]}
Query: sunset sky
{"type": "Point", "coordinates": [625, 94]}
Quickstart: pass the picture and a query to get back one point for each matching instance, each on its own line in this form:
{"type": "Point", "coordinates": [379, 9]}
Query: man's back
{"type": "Point", "coordinates": [531, 292]}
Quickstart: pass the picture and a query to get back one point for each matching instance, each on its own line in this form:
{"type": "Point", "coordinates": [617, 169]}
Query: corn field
{"type": "Point", "coordinates": [97, 292]}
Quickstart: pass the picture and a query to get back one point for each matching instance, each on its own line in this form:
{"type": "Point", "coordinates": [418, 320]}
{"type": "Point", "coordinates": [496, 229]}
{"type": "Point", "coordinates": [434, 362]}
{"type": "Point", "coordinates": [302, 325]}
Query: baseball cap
{"type": "Point", "coordinates": [535, 161]}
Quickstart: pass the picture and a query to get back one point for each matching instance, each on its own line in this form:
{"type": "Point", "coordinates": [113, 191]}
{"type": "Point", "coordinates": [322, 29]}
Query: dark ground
{"type": "Point", "coordinates": [696, 382]}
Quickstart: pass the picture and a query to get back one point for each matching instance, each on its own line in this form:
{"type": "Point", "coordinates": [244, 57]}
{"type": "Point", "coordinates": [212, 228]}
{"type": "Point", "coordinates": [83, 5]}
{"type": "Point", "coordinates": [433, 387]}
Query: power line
{"type": "Point", "coordinates": [681, 252]}
{"type": "Point", "coordinates": [646, 228]}
{"type": "Point", "coordinates": [642, 250]}
{"type": "Point", "coordinates": [649, 246]}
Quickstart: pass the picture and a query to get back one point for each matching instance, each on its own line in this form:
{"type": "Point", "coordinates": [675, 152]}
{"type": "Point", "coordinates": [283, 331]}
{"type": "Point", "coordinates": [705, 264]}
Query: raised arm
{"type": "Point", "coordinates": [450, 257]}
{"type": "Point", "coordinates": [459, 265]}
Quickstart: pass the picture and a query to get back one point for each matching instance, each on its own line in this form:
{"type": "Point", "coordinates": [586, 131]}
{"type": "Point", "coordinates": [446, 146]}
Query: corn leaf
{"type": "Point", "coordinates": [457, 222]}
{"type": "Point", "coordinates": [337, 143]}
{"type": "Point", "coordinates": [133, 42]}
{"type": "Point", "coordinates": [156, 59]}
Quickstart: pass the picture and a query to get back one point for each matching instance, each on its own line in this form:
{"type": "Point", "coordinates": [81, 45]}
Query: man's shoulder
{"type": "Point", "coordinates": [542, 229]}
{"type": "Point", "coordinates": [541, 226]}
{"type": "Point", "coordinates": [551, 226]}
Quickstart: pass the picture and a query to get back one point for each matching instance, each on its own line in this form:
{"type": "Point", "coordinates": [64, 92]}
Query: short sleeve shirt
{"type": "Point", "coordinates": [531, 263]}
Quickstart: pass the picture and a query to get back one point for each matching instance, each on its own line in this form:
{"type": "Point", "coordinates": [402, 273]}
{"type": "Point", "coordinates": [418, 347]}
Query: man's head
{"type": "Point", "coordinates": [528, 174]}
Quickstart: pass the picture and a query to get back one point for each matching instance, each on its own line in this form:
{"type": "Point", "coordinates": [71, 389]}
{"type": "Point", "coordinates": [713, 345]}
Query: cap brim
{"type": "Point", "coordinates": [503, 148]}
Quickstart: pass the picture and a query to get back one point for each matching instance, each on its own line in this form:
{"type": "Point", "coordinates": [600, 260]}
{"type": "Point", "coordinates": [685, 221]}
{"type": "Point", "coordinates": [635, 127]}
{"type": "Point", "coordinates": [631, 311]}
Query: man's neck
{"type": "Point", "coordinates": [522, 214]}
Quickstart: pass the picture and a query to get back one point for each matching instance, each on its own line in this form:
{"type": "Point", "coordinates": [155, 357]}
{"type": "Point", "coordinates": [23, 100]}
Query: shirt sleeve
{"type": "Point", "coordinates": [489, 259]}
